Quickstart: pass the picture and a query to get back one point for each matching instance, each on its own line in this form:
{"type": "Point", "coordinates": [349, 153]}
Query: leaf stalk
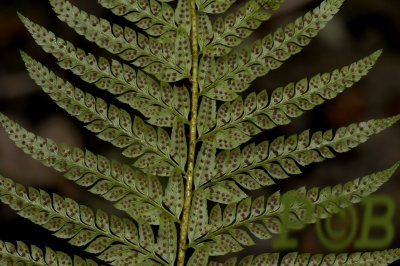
{"type": "Point", "coordinates": [192, 138]}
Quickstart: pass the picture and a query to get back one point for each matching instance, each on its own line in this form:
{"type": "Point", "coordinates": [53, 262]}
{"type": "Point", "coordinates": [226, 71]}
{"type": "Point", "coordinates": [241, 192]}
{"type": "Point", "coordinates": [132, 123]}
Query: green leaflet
{"type": "Point", "coordinates": [77, 223]}
{"type": "Point", "coordinates": [205, 31]}
{"type": "Point", "coordinates": [167, 240]}
{"type": "Point", "coordinates": [257, 165]}
{"type": "Point", "coordinates": [167, 58]}
{"type": "Point", "coordinates": [225, 192]}
{"type": "Point", "coordinates": [174, 193]}
{"type": "Point", "coordinates": [153, 17]}
{"type": "Point", "coordinates": [224, 244]}
{"type": "Point", "coordinates": [354, 259]}
{"type": "Point", "coordinates": [158, 102]}
{"type": "Point", "coordinates": [236, 71]}
{"type": "Point", "coordinates": [233, 28]}
{"type": "Point", "coordinates": [204, 168]}
{"type": "Point", "coordinates": [230, 262]}
{"type": "Point", "coordinates": [130, 190]}
{"type": "Point", "coordinates": [22, 254]}
{"type": "Point", "coordinates": [150, 15]}
{"type": "Point", "coordinates": [111, 124]}
{"type": "Point", "coordinates": [306, 259]}
{"type": "Point", "coordinates": [206, 117]}
{"type": "Point", "coordinates": [198, 216]}
{"type": "Point", "coordinates": [214, 6]}
{"type": "Point", "coordinates": [179, 144]}
{"type": "Point", "coordinates": [146, 236]}
{"type": "Point", "coordinates": [267, 214]}
{"type": "Point", "coordinates": [239, 120]}
{"type": "Point", "coordinates": [215, 217]}
{"type": "Point", "coordinates": [182, 15]}
{"type": "Point", "coordinates": [199, 257]}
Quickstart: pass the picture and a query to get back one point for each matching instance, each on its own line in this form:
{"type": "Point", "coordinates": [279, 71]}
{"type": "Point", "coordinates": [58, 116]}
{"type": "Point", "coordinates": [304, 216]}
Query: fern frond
{"type": "Point", "coordinates": [379, 258]}
{"type": "Point", "coordinates": [237, 121]}
{"type": "Point", "coordinates": [230, 31]}
{"type": "Point", "coordinates": [111, 239]}
{"type": "Point", "coordinates": [257, 165]}
{"type": "Point", "coordinates": [168, 57]}
{"type": "Point", "coordinates": [153, 17]}
{"type": "Point", "coordinates": [262, 216]}
{"type": "Point", "coordinates": [110, 123]}
{"type": "Point", "coordinates": [236, 71]}
{"type": "Point", "coordinates": [23, 254]}
{"type": "Point", "coordinates": [137, 194]}
{"type": "Point", "coordinates": [158, 102]}
{"type": "Point", "coordinates": [188, 177]}
{"type": "Point", "coordinates": [214, 6]}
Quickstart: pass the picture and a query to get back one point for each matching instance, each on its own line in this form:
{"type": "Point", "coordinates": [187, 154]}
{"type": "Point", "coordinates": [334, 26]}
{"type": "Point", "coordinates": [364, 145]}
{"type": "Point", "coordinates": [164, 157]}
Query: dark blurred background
{"type": "Point", "coordinates": [361, 27]}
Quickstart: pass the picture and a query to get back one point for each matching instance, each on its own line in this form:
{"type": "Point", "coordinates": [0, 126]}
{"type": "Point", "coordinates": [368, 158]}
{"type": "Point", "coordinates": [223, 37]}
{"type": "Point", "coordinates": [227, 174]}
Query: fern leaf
{"type": "Point", "coordinates": [258, 165]}
{"type": "Point", "coordinates": [239, 120]}
{"type": "Point", "coordinates": [153, 17]}
{"type": "Point", "coordinates": [238, 70]}
{"type": "Point", "coordinates": [168, 58]}
{"type": "Point", "coordinates": [23, 254]}
{"type": "Point", "coordinates": [214, 6]}
{"type": "Point", "coordinates": [110, 123]}
{"type": "Point", "coordinates": [137, 194]}
{"type": "Point", "coordinates": [108, 237]}
{"type": "Point", "coordinates": [380, 258]}
{"type": "Point", "coordinates": [263, 217]}
{"type": "Point", "coordinates": [231, 30]}
{"type": "Point", "coordinates": [158, 102]}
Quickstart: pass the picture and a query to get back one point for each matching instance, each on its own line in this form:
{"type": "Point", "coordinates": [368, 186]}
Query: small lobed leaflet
{"type": "Point", "coordinates": [231, 30]}
{"type": "Point", "coordinates": [267, 213]}
{"type": "Point", "coordinates": [111, 124]}
{"type": "Point", "coordinates": [153, 17]}
{"type": "Point", "coordinates": [110, 238]}
{"type": "Point", "coordinates": [158, 102]}
{"type": "Point", "coordinates": [238, 121]}
{"type": "Point", "coordinates": [214, 6]}
{"type": "Point", "coordinates": [237, 70]}
{"type": "Point", "coordinates": [258, 165]}
{"type": "Point", "coordinates": [139, 195]}
{"type": "Point", "coordinates": [22, 254]}
{"type": "Point", "coordinates": [343, 259]}
{"type": "Point", "coordinates": [150, 15]}
{"type": "Point", "coordinates": [168, 59]}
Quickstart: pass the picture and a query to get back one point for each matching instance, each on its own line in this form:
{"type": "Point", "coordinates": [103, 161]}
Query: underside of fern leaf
{"type": "Point", "coordinates": [185, 118]}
